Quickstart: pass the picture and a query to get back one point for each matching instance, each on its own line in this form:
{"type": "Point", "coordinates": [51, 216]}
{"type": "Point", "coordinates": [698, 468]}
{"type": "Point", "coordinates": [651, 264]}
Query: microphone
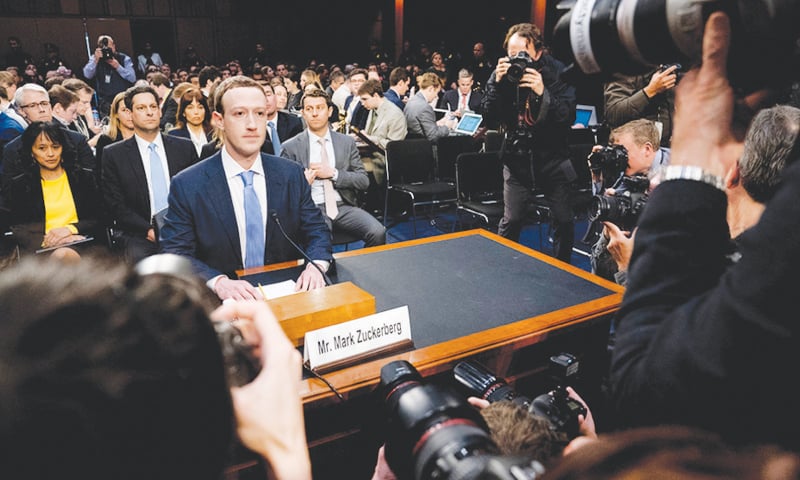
{"type": "Point", "coordinates": [274, 216]}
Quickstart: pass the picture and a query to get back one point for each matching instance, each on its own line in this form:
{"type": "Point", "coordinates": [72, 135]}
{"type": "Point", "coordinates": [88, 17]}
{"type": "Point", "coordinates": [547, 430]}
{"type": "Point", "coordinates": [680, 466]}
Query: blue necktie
{"type": "Point", "coordinates": [254, 225]}
{"type": "Point", "coordinates": [158, 180]}
{"type": "Point", "coordinates": [276, 140]}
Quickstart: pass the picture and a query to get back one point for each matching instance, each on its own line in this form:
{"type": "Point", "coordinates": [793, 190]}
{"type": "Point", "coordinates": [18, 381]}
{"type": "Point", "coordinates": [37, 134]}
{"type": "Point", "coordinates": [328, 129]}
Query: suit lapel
{"type": "Point", "coordinates": [219, 197]}
{"type": "Point", "coordinates": [174, 160]}
{"type": "Point", "coordinates": [136, 171]}
{"type": "Point", "coordinates": [275, 202]}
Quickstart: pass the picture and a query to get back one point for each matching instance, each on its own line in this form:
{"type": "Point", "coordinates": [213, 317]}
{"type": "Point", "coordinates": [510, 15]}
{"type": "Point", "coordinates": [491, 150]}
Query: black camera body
{"type": "Point", "coordinates": [556, 406]}
{"type": "Point", "coordinates": [609, 162]}
{"type": "Point", "coordinates": [434, 433]}
{"type": "Point", "coordinates": [624, 207]}
{"type": "Point", "coordinates": [241, 365]}
{"type": "Point", "coordinates": [519, 63]}
{"type": "Point", "coordinates": [107, 53]}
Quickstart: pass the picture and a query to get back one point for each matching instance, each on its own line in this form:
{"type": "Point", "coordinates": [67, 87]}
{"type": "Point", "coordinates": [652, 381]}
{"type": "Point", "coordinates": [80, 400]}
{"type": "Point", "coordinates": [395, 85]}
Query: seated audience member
{"type": "Point", "coordinates": [53, 202]}
{"type": "Point", "coordinates": [645, 158]}
{"type": "Point", "coordinates": [385, 123]}
{"type": "Point", "coordinates": [420, 117]}
{"type": "Point", "coordinates": [194, 119]}
{"type": "Point", "coordinates": [10, 128]}
{"type": "Point", "coordinates": [334, 170]}
{"type": "Point", "coordinates": [463, 98]}
{"type": "Point", "coordinates": [398, 87]}
{"type": "Point", "coordinates": [207, 77]}
{"type": "Point", "coordinates": [8, 80]}
{"type": "Point", "coordinates": [120, 127]}
{"type": "Point", "coordinates": [292, 84]}
{"type": "Point", "coordinates": [33, 103]}
{"type": "Point", "coordinates": [335, 80]}
{"type": "Point", "coordinates": [309, 77]}
{"type": "Point", "coordinates": [135, 387]}
{"type": "Point", "coordinates": [169, 105]}
{"type": "Point", "coordinates": [282, 123]}
{"type": "Point", "coordinates": [700, 341]}
{"type": "Point", "coordinates": [281, 95]}
{"type": "Point", "coordinates": [219, 209]}
{"type": "Point", "coordinates": [672, 452]}
{"type": "Point", "coordinates": [355, 114]}
{"type": "Point", "coordinates": [65, 106]}
{"type": "Point", "coordinates": [85, 123]}
{"type": "Point", "coordinates": [340, 94]}
{"type": "Point", "coordinates": [136, 175]}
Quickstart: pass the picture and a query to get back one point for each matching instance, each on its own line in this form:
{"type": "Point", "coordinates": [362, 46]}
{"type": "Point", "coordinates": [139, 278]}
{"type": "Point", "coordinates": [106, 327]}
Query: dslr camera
{"type": "Point", "coordinates": [519, 63]}
{"type": "Point", "coordinates": [635, 36]}
{"type": "Point", "coordinates": [433, 433]}
{"type": "Point", "coordinates": [108, 54]}
{"type": "Point", "coordinates": [624, 207]}
{"type": "Point", "coordinates": [556, 406]}
{"type": "Point", "coordinates": [609, 163]}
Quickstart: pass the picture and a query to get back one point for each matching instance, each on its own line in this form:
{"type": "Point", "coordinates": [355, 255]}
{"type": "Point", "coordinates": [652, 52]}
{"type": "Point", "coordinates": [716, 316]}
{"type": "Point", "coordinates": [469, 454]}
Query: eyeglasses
{"type": "Point", "coordinates": [42, 105]}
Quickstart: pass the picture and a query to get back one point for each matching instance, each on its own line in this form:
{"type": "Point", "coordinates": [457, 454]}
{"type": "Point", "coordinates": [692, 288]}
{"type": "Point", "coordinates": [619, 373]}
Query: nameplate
{"type": "Point", "coordinates": [351, 342]}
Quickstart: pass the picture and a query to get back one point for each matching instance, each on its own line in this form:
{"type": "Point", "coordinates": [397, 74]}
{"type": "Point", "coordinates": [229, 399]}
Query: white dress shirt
{"type": "Point", "coordinates": [236, 188]}
{"type": "Point", "coordinates": [314, 156]}
{"type": "Point", "coordinates": [144, 153]}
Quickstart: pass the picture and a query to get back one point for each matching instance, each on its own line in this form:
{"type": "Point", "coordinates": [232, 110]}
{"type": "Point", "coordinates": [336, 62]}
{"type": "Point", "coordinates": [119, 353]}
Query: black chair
{"type": "Point", "coordinates": [479, 183]}
{"type": "Point", "coordinates": [411, 177]}
{"type": "Point", "coordinates": [447, 151]}
{"type": "Point", "coordinates": [492, 142]}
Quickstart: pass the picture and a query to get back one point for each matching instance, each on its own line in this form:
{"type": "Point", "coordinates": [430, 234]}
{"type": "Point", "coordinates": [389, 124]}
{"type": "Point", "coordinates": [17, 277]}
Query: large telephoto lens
{"type": "Point", "coordinates": [485, 384]}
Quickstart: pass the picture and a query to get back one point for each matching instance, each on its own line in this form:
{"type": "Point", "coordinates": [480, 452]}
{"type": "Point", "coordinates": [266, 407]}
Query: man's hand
{"type": "Point", "coordinates": [704, 107]}
{"type": "Point", "coordinates": [661, 81]}
{"type": "Point", "coordinates": [382, 470]}
{"type": "Point", "coordinates": [226, 288]}
{"type": "Point", "coordinates": [113, 63]}
{"type": "Point", "coordinates": [98, 55]}
{"type": "Point", "coordinates": [310, 174]}
{"type": "Point", "coordinates": [310, 279]}
{"type": "Point", "coordinates": [151, 235]}
{"type": "Point", "coordinates": [501, 68]}
{"type": "Point", "coordinates": [269, 412]}
{"type": "Point", "coordinates": [532, 79]}
{"type": "Point", "coordinates": [322, 171]}
{"type": "Point", "coordinates": [478, 403]}
{"type": "Point", "coordinates": [620, 245]}
{"type": "Point", "coordinates": [586, 425]}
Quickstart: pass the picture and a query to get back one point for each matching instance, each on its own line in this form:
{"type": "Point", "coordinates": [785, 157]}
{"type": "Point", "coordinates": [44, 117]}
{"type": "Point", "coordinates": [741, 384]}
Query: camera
{"type": "Point", "coordinates": [241, 365]}
{"type": "Point", "coordinates": [433, 433]}
{"type": "Point", "coordinates": [635, 36]}
{"type": "Point", "coordinates": [107, 53]}
{"type": "Point", "coordinates": [609, 162]}
{"type": "Point", "coordinates": [624, 207]}
{"type": "Point", "coordinates": [519, 63]}
{"type": "Point", "coordinates": [556, 406]}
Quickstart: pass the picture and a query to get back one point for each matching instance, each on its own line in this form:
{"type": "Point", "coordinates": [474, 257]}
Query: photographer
{"type": "Point", "coordinates": [611, 252]}
{"type": "Point", "coordinates": [112, 374]}
{"type": "Point", "coordinates": [527, 98]}
{"type": "Point", "coordinates": [112, 70]}
{"type": "Point", "coordinates": [700, 342]}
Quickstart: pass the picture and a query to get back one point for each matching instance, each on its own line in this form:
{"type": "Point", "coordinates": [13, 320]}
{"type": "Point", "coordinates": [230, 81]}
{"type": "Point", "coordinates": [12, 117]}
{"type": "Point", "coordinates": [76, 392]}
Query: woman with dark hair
{"type": "Point", "coordinates": [53, 203]}
{"type": "Point", "coordinates": [194, 119]}
{"type": "Point", "coordinates": [292, 84]}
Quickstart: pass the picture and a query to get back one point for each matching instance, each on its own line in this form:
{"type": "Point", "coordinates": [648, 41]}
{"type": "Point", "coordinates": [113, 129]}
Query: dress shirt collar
{"type": "Point", "coordinates": [233, 169]}
{"type": "Point", "coordinates": [144, 145]}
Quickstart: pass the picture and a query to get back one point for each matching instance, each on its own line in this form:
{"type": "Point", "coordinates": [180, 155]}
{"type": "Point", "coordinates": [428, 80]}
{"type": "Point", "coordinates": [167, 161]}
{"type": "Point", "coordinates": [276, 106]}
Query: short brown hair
{"type": "Point", "coordinates": [371, 87]}
{"type": "Point", "coordinates": [77, 85]}
{"type": "Point", "coordinates": [516, 431]}
{"type": "Point", "coordinates": [238, 81]}
{"type": "Point", "coordinates": [428, 79]}
{"type": "Point", "coordinates": [642, 130]}
{"type": "Point", "coordinates": [158, 79]}
{"type": "Point", "coordinates": [62, 96]}
{"type": "Point", "coordinates": [528, 31]}
{"type": "Point", "coordinates": [315, 93]}
{"type": "Point", "coordinates": [398, 74]}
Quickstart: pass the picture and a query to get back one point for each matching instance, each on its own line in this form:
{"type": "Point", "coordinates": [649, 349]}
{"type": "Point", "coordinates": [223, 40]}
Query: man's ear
{"type": "Point", "coordinates": [733, 176]}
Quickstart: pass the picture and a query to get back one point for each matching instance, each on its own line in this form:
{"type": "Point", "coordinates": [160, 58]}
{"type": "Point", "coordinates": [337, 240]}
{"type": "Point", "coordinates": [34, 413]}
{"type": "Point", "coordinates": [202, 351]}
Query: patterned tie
{"type": "Point", "coordinates": [158, 180]}
{"type": "Point", "coordinates": [372, 122]}
{"type": "Point", "coordinates": [463, 102]}
{"type": "Point", "coordinates": [254, 225]}
{"type": "Point", "coordinates": [276, 140]}
{"type": "Point", "coordinates": [327, 186]}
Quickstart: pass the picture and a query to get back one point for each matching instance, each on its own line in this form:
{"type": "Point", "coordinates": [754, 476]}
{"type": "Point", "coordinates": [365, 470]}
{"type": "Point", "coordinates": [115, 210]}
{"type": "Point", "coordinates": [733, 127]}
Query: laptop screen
{"type": "Point", "coordinates": [469, 123]}
{"type": "Point", "coordinates": [585, 115]}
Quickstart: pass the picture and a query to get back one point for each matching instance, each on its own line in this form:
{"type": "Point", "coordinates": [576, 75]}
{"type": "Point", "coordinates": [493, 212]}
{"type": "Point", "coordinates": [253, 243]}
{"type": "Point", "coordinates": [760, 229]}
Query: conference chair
{"type": "Point", "coordinates": [479, 187]}
{"type": "Point", "coordinates": [447, 151]}
{"type": "Point", "coordinates": [411, 180]}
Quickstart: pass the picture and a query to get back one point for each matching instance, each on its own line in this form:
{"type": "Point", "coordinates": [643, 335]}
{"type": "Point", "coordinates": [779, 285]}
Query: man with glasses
{"type": "Point", "coordinates": [34, 106]}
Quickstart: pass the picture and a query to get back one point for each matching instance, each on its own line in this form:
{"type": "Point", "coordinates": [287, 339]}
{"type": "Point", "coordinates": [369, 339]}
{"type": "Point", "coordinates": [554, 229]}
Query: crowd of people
{"type": "Point", "coordinates": [223, 167]}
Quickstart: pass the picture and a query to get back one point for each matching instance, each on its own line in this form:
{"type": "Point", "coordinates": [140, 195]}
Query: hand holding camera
{"type": "Point", "coordinates": [662, 80]}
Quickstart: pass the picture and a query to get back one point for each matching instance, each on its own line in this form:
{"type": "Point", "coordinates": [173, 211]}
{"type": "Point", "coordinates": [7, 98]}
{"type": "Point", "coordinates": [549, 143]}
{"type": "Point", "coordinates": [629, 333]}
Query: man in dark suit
{"type": "Point", "coordinates": [169, 107]}
{"type": "Point", "coordinates": [339, 164]}
{"type": "Point", "coordinates": [225, 212]}
{"type": "Point", "coordinates": [136, 174]}
{"type": "Point", "coordinates": [34, 106]}
{"type": "Point", "coordinates": [463, 98]}
{"type": "Point", "coordinates": [355, 113]}
{"type": "Point", "coordinates": [286, 124]}
{"type": "Point", "coordinates": [398, 87]}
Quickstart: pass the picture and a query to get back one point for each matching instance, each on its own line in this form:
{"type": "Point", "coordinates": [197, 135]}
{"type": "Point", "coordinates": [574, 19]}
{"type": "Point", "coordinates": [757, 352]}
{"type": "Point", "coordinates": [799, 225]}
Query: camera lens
{"type": "Point", "coordinates": [603, 208]}
{"type": "Point", "coordinates": [483, 383]}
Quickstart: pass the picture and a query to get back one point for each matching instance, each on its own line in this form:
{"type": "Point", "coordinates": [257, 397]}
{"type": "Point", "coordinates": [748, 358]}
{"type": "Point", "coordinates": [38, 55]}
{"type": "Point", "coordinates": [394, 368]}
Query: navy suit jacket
{"type": "Point", "coordinates": [452, 99]}
{"type": "Point", "coordinates": [201, 224]}
{"type": "Point", "coordinates": [289, 125]}
{"type": "Point", "coordinates": [393, 97]}
{"type": "Point", "coordinates": [124, 183]}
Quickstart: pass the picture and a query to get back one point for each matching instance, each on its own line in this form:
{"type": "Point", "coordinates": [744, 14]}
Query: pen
{"type": "Point", "coordinates": [261, 289]}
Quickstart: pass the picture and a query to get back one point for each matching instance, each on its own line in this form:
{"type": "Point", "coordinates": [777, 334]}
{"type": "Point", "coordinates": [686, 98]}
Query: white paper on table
{"type": "Point", "coordinates": [277, 290]}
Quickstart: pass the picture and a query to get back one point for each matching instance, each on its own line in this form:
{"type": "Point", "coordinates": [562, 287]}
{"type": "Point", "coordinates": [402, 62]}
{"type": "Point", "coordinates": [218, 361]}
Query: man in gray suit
{"type": "Point", "coordinates": [334, 170]}
{"type": "Point", "coordinates": [420, 117]}
{"type": "Point", "coordinates": [384, 124]}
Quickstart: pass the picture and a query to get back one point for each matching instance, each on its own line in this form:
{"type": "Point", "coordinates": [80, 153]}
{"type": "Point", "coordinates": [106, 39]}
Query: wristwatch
{"type": "Point", "coordinates": [693, 172]}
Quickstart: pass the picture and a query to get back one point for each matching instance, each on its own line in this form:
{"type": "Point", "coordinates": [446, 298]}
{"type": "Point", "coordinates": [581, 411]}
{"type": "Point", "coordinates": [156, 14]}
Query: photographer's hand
{"type": "Point", "coordinates": [661, 81]}
{"type": "Point", "coordinates": [703, 135]}
{"type": "Point", "coordinates": [533, 80]}
{"type": "Point", "coordinates": [269, 413]}
{"type": "Point", "coordinates": [98, 55]}
{"type": "Point", "coordinates": [620, 245]}
{"type": "Point", "coordinates": [586, 425]}
{"type": "Point", "coordinates": [502, 68]}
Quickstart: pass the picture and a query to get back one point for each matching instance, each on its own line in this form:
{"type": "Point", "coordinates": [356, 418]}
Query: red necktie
{"type": "Point", "coordinates": [463, 101]}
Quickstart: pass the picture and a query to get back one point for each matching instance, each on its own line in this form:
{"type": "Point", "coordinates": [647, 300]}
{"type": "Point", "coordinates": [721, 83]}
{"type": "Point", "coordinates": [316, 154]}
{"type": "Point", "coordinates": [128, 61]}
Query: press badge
{"type": "Point", "coordinates": [108, 78]}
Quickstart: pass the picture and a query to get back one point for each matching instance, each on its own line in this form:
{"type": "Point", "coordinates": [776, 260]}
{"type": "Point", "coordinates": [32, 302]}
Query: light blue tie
{"type": "Point", "coordinates": [254, 225]}
{"type": "Point", "coordinates": [276, 140]}
{"type": "Point", "coordinates": [158, 180]}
